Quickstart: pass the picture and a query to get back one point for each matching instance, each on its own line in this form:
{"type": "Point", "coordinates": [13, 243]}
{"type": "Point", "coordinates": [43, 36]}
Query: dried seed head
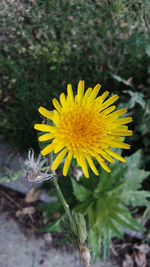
{"type": "Point", "coordinates": [33, 168]}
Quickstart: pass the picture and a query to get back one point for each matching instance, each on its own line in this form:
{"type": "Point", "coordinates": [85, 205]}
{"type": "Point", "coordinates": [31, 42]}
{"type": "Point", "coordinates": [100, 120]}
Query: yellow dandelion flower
{"type": "Point", "coordinates": [85, 127]}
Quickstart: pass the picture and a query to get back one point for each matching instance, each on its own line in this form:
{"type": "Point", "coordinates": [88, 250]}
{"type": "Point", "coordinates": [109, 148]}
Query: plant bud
{"type": "Point", "coordinates": [74, 225]}
{"type": "Point", "coordinates": [81, 227]}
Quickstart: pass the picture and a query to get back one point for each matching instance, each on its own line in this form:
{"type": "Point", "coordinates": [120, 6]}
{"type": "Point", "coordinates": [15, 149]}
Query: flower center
{"type": "Point", "coordinates": [82, 129]}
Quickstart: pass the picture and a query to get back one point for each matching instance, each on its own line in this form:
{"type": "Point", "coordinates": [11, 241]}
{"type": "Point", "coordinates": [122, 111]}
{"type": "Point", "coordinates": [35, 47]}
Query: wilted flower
{"type": "Point", "coordinates": [85, 127]}
{"type": "Point", "coordinates": [33, 168]}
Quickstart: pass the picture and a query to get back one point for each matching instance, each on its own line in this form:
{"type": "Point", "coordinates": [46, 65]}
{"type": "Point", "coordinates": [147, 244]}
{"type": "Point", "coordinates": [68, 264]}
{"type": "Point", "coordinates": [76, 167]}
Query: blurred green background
{"type": "Point", "coordinates": [45, 44]}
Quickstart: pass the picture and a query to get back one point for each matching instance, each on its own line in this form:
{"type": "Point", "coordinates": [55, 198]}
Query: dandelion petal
{"type": "Point", "coordinates": [67, 163]}
{"type": "Point", "coordinates": [58, 159]}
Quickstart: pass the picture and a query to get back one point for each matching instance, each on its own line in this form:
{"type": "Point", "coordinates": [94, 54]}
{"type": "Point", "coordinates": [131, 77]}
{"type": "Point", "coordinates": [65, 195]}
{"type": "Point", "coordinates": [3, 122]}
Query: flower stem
{"type": "Point", "coordinates": [61, 197]}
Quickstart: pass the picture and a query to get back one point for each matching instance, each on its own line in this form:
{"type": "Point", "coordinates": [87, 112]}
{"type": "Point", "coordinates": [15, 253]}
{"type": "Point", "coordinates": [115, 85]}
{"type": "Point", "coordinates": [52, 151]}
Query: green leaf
{"type": "Point", "coordinates": [11, 176]}
{"type": "Point", "coordinates": [107, 233]}
{"type": "Point", "coordinates": [82, 207]}
{"type": "Point", "coordinates": [4, 178]}
{"type": "Point", "coordinates": [91, 215]}
{"type": "Point", "coordinates": [124, 221]}
{"type": "Point", "coordinates": [104, 204]}
{"type": "Point", "coordinates": [134, 178]}
{"type": "Point", "coordinates": [80, 191]}
{"type": "Point", "coordinates": [147, 50]}
{"type": "Point", "coordinates": [53, 227]}
{"type": "Point", "coordinates": [119, 79]}
{"type": "Point", "coordinates": [81, 226]}
{"type": "Point", "coordinates": [137, 198]}
{"type": "Point", "coordinates": [50, 209]}
{"type": "Point", "coordinates": [94, 243]}
{"type": "Point", "coordinates": [74, 226]}
{"type": "Point", "coordinates": [68, 226]}
{"type": "Point", "coordinates": [134, 160]}
{"type": "Point", "coordinates": [15, 175]}
{"type": "Point", "coordinates": [136, 98]}
{"type": "Point", "coordinates": [110, 224]}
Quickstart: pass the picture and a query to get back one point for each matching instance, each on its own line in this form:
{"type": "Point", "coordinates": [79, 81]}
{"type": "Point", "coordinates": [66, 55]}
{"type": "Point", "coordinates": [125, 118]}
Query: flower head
{"type": "Point", "coordinates": [33, 168]}
{"type": "Point", "coordinates": [85, 127]}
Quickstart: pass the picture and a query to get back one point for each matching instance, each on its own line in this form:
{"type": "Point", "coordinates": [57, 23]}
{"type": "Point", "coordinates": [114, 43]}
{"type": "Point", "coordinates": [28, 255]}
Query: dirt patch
{"type": "Point", "coordinates": [29, 219]}
{"type": "Point", "coordinates": [12, 202]}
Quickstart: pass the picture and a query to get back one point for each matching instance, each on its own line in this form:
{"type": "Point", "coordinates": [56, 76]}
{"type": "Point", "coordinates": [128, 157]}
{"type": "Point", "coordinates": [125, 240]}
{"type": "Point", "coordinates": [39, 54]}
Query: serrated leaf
{"type": "Point", "coordinates": [94, 243]}
{"type": "Point", "coordinates": [134, 178]}
{"type": "Point", "coordinates": [134, 160]}
{"type": "Point", "coordinates": [136, 98]}
{"type": "Point", "coordinates": [119, 79]}
{"type": "Point", "coordinates": [124, 221]}
{"type": "Point", "coordinates": [129, 218]}
{"type": "Point", "coordinates": [107, 240]}
{"type": "Point", "coordinates": [91, 215]}
{"type": "Point", "coordinates": [112, 225]}
{"type": "Point", "coordinates": [117, 170]}
{"type": "Point", "coordinates": [80, 191]}
{"type": "Point", "coordinates": [53, 227]}
{"type": "Point", "coordinates": [137, 198]}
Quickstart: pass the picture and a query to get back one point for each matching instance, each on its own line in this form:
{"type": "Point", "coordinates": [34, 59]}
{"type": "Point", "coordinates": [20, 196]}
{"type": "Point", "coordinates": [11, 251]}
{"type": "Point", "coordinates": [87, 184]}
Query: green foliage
{"type": "Point", "coordinates": [104, 202]}
{"type": "Point", "coordinates": [80, 191]}
{"type": "Point", "coordinates": [106, 205]}
{"type": "Point", "coordinates": [12, 176]}
{"type": "Point", "coordinates": [74, 226]}
{"type": "Point", "coordinates": [138, 104]}
{"type": "Point", "coordinates": [51, 227]}
{"type": "Point", "coordinates": [50, 209]}
{"type": "Point", "coordinates": [139, 107]}
{"type": "Point", "coordinates": [136, 98]}
{"type": "Point", "coordinates": [45, 45]}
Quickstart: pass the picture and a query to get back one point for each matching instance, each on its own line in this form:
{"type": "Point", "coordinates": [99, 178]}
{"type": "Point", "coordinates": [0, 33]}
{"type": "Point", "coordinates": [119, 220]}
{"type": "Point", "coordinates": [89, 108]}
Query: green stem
{"type": "Point", "coordinates": [61, 197]}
